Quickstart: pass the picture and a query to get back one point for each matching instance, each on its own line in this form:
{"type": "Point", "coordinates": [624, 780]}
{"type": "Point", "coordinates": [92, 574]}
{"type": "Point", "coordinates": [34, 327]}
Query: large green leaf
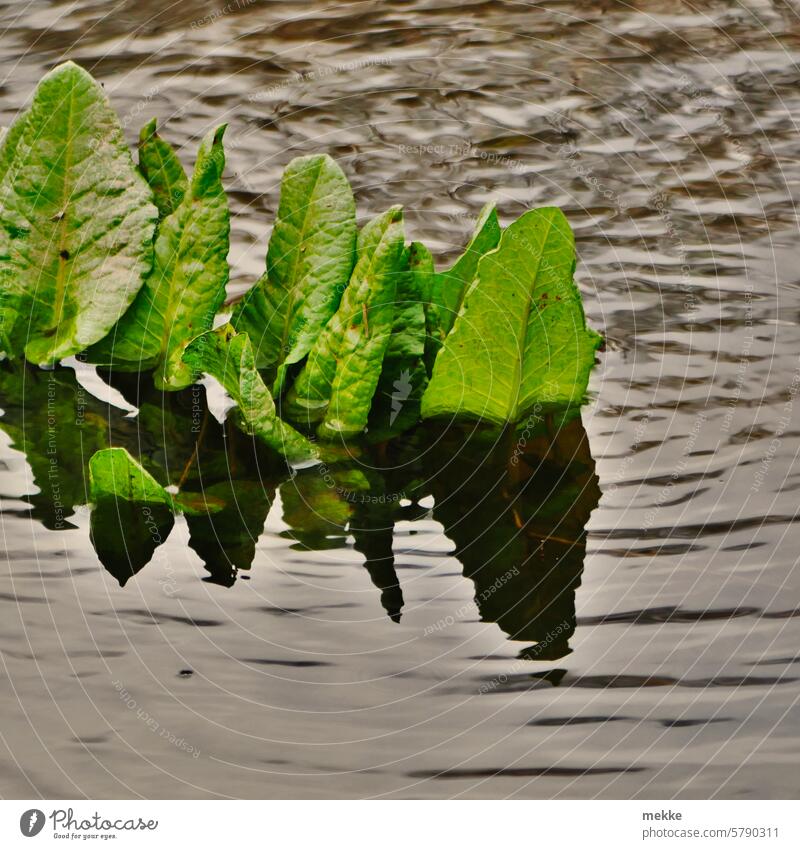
{"type": "Point", "coordinates": [76, 221]}
{"type": "Point", "coordinates": [8, 312]}
{"type": "Point", "coordinates": [339, 379]}
{"type": "Point", "coordinates": [521, 339]}
{"type": "Point", "coordinates": [310, 258]}
{"type": "Point", "coordinates": [448, 288]}
{"type": "Point", "coordinates": [9, 141]}
{"type": "Point", "coordinates": [162, 169]}
{"type": "Point", "coordinates": [228, 357]}
{"type": "Point", "coordinates": [181, 297]}
{"type": "Point", "coordinates": [407, 341]}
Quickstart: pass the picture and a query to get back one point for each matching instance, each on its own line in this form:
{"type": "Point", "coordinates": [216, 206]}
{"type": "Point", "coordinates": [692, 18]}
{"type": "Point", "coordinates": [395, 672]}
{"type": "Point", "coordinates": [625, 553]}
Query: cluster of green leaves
{"type": "Point", "coordinates": [349, 331]}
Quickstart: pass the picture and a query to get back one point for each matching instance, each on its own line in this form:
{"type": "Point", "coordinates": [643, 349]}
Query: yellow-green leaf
{"type": "Point", "coordinates": [521, 339]}
{"type": "Point", "coordinates": [76, 221]}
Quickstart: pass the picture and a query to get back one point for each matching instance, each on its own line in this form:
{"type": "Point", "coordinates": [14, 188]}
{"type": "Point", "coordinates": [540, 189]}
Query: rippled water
{"type": "Point", "coordinates": [665, 131]}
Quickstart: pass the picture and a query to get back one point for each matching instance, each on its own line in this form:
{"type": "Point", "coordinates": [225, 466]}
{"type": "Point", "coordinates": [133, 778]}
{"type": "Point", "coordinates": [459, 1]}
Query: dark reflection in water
{"type": "Point", "coordinates": [520, 530]}
{"type": "Point", "coordinates": [125, 534]}
{"type": "Point", "coordinates": [515, 504]}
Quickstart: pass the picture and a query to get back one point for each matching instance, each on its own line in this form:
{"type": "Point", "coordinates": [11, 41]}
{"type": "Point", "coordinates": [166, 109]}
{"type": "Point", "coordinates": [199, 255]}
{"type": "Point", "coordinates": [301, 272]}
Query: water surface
{"type": "Point", "coordinates": [621, 620]}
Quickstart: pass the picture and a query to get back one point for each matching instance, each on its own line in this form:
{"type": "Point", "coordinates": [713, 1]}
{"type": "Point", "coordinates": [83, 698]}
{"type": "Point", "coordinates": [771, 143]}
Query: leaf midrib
{"type": "Point", "coordinates": [61, 281]}
{"type": "Point", "coordinates": [526, 312]}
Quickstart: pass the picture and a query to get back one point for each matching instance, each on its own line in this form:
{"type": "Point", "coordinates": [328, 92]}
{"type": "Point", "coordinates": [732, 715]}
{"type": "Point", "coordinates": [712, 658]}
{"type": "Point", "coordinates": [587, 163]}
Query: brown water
{"type": "Point", "coordinates": [665, 131]}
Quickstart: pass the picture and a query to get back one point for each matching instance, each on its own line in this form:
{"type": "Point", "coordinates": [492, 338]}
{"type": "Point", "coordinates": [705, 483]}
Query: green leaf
{"type": "Point", "coordinates": [76, 220]}
{"type": "Point", "coordinates": [8, 321]}
{"type": "Point", "coordinates": [342, 371]}
{"type": "Point", "coordinates": [228, 357]}
{"type": "Point", "coordinates": [162, 169]}
{"type": "Point", "coordinates": [407, 341]}
{"type": "Point", "coordinates": [420, 263]}
{"type": "Point", "coordinates": [447, 288]}
{"type": "Point", "coordinates": [310, 258]}
{"type": "Point", "coordinates": [9, 142]}
{"type": "Point", "coordinates": [132, 514]}
{"type": "Point", "coordinates": [397, 400]}
{"type": "Point", "coordinates": [396, 403]}
{"type": "Point", "coordinates": [8, 314]}
{"type": "Point", "coordinates": [113, 473]}
{"type": "Point", "coordinates": [521, 339]}
{"type": "Point", "coordinates": [181, 297]}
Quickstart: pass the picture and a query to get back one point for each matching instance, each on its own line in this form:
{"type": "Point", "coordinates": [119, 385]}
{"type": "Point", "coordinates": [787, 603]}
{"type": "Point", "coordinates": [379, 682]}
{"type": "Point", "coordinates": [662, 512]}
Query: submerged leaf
{"type": "Point", "coordinates": [76, 220]}
{"type": "Point", "coordinates": [521, 339]}
{"type": "Point", "coordinates": [311, 254]}
{"type": "Point", "coordinates": [162, 169]}
{"type": "Point", "coordinates": [342, 371]}
{"type": "Point", "coordinates": [228, 357]}
{"type": "Point", "coordinates": [181, 297]}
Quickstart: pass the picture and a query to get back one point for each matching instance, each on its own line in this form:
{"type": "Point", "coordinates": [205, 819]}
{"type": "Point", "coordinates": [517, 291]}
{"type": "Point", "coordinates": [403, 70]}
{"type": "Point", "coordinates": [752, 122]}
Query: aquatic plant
{"type": "Point", "coordinates": [129, 265]}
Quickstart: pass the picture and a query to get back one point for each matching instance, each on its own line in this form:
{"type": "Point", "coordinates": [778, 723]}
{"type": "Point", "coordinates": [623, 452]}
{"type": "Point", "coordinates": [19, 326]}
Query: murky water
{"type": "Point", "coordinates": [654, 620]}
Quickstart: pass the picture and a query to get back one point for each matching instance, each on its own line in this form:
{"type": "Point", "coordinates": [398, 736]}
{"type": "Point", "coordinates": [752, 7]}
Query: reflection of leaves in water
{"type": "Point", "coordinates": [226, 540]}
{"type": "Point", "coordinates": [372, 528]}
{"type": "Point", "coordinates": [169, 426]}
{"type": "Point", "coordinates": [125, 534]}
{"type": "Point", "coordinates": [519, 528]}
{"type": "Point", "coordinates": [58, 426]}
{"type": "Point", "coordinates": [132, 515]}
{"type": "Point", "coordinates": [519, 531]}
{"type": "Point", "coordinates": [318, 504]}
